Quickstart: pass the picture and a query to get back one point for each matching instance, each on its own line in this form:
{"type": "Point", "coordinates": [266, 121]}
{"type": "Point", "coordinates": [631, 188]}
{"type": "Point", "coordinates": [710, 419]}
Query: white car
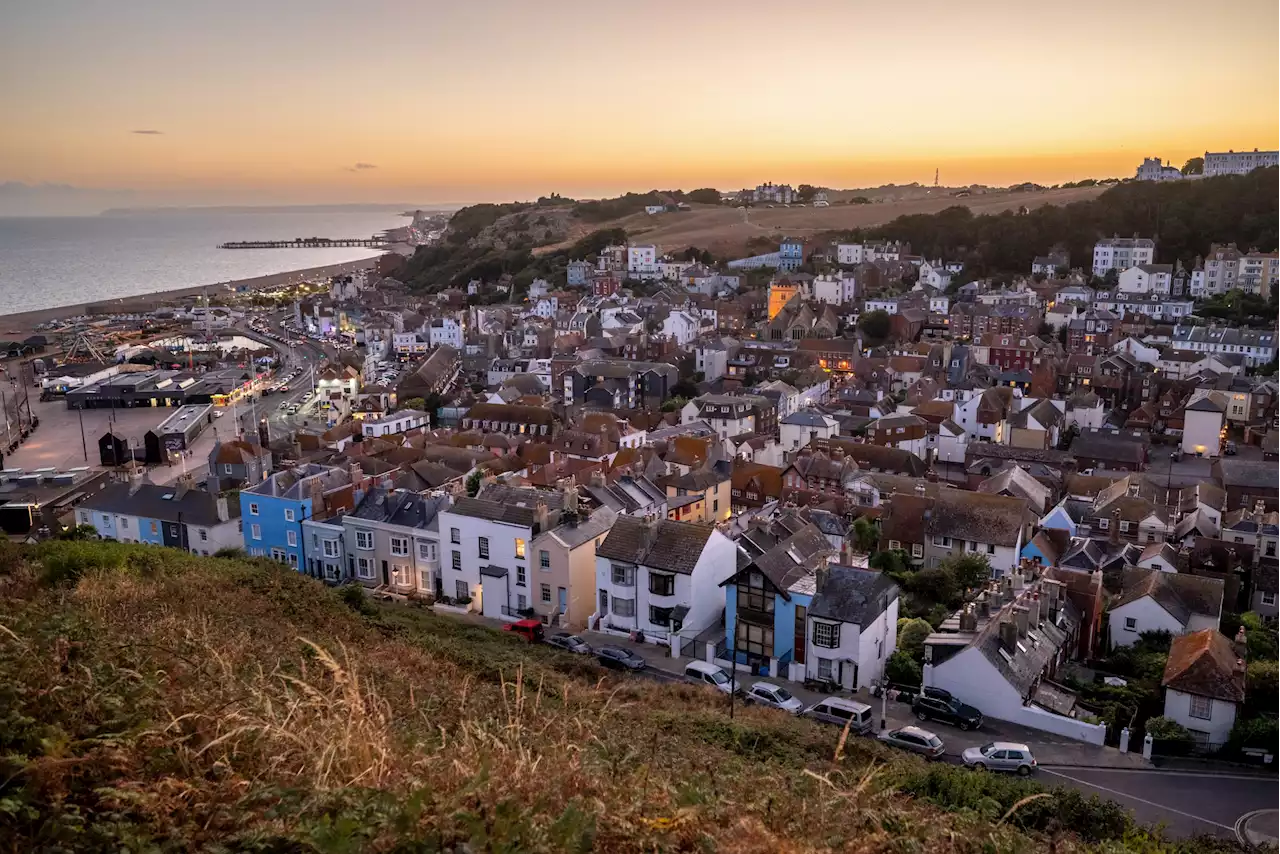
{"type": "Point", "coordinates": [774, 696]}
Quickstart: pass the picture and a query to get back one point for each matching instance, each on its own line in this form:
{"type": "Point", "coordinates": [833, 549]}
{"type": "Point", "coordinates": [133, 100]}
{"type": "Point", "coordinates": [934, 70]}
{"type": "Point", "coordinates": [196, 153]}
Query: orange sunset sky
{"type": "Point", "coordinates": [322, 101]}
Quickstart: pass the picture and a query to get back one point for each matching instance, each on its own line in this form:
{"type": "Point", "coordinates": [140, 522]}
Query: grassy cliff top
{"type": "Point", "coordinates": [154, 701]}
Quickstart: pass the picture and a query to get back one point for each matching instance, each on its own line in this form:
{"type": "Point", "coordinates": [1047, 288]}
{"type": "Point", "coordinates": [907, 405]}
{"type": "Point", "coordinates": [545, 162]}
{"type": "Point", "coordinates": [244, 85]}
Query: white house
{"type": "Point", "coordinates": [445, 330]}
{"type": "Point", "coordinates": [642, 262]}
{"type": "Point", "coordinates": [655, 209]}
{"type": "Point", "coordinates": [999, 652]}
{"type": "Point", "coordinates": [852, 626]}
{"type": "Point", "coordinates": [711, 357]}
{"type": "Point", "coordinates": [728, 414]}
{"type": "Point", "coordinates": [1202, 425]}
{"type": "Point", "coordinates": [1147, 279]}
{"type": "Point", "coordinates": [1121, 253]}
{"type": "Point", "coordinates": [800, 428]}
{"type": "Point", "coordinates": [1152, 600]}
{"type": "Point", "coordinates": [680, 326]}
{"type": "Point", "coordinates": [661, 577]}
{"type": "Point", "coordinates": [835, 288]}
{"type": "Point", "coordinates": [484, 543]}
{"type": "Point", "coordinates": [849, 254]}
{"type": "Point", "coordinates": [951, 441]}
{"type": "Point", "coordinates": [935, 276]}
{"type": "Point", "coordinates": [395, 422]}
{"type": "Point", "coordinates": [1204, 684]}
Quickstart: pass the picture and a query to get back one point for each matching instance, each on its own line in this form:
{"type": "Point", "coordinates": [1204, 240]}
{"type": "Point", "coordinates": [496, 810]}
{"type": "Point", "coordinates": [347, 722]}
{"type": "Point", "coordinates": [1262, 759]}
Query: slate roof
{"type": "Point", "coordinates": [1233, 471]}
{"type": "Point", "coordinates": [853, 595]}
{"type": "Point", "coordinates": [1204, 663]}
{"type": "Point", "coordinates": [1111, 447]}
{"type": "Point", "coordinates": [806, 418]}
{"type": "Point", "coordinates": [793, 559]}
{"type": "Point", "coordinates": [670, 546]}
{"type": "Point", "coordinates": [1180, 594]}
{"type": "Point", "coordinates": [400, 507]}
{"type": "Point", "coordinates": [513, 505]}
{"type": "Point", "coordinates": [1027, 664]}
{"type": "Point", "coordinates": [163, 503]}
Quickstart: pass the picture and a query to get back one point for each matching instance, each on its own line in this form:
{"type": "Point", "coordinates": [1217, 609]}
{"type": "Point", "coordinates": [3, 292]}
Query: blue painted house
{"type": "Point", "coordinates": [767, 600]}
{"type": "Point", "coordinates": [175, 515]}
{"type": "Point", "coordinates": [1047, 547]}
{"type": "Point", "coordinates": [791, 254]}
{"type": "Point", "coordinates": [273, 512]}
{"type": "Point", "coordinates": [1066, 516]}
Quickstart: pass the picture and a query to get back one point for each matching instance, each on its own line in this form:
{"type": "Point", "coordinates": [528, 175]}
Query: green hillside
{"type": "Point", "coordinates": [151, 701]}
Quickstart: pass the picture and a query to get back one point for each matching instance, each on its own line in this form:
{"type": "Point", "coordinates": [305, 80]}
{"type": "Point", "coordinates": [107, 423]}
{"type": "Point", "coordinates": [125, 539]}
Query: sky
{"type": "Point", "coordinates": [320, 101]}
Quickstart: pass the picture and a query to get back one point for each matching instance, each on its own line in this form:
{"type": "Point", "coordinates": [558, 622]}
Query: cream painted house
{"type": "Point", "coordinates": [564, 568]}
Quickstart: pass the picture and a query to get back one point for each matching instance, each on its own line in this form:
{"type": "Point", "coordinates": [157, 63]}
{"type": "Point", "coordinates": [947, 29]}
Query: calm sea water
{"type": "Point", "coordinates": [52, 261]}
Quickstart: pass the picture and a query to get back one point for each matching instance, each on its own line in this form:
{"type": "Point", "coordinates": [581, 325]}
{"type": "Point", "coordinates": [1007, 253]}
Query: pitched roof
{"type": "Point", "coordinates": [1204, 663]}
{"type": "Point", "coordinates": [164, 503]}
{"type": "Point", "coordinates": [1180, 594]}
{"type": "Point", "coordinates": [664, 545]}
{"type": "Point", "coordinates": [853, 595]}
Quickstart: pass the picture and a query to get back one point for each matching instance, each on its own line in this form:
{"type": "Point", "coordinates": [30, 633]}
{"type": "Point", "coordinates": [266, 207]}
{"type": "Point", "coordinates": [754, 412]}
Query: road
{"type": "Point", "coordinates": [1186, 803]}
{"type": "Point", "coordinates": [307, 356]}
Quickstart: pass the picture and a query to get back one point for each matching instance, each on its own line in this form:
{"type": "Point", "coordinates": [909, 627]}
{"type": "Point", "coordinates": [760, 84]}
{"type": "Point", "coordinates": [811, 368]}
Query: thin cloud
{"type": "Point", "coordinates": [148, 132]}
{"type": "Point", "coordinates": [360, 167]}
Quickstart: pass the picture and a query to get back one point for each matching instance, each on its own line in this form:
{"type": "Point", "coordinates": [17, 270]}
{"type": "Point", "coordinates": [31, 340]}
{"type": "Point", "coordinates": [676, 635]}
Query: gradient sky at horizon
{"type": "Point", "coordinates": [277, 101]}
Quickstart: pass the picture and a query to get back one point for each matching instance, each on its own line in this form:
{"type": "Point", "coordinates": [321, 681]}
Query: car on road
{"type": "Point", "coordinates": [571, 643]}
{"type": "Point", "coordinates": [775, 697]}
{"type": "Point", "coordinates": [530, 630]}
{"type": "Point", "coordinates": [284, 404]}
{"type": "Point", "coordinates": [948, 711]}
{"type": "Point", "coordinates": [617, 658]}
{"type": "Point", "coordinates": [916, 740]}
{"type": "Point", "coordinates": [841, 712]}
{"type": "Point", "coordinates": [1000, 756]}
{"type": "Point", "coordinates": [703, 673]}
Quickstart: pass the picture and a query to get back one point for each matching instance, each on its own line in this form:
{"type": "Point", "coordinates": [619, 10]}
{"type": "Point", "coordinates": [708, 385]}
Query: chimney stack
{"type": "Point", "coordinates": [984, 606]}
{"type": "Point", "coordinates": [822, 573]}
{"type": "Point", "coordinates": [1009, 637]}
{"type": "Point", "coordinates": [224, 512]}
{"type": "Point", "coordinates": [968, 619]}
{"type": "Point", "coordinates": [1020, 615]}
{"type": "Point", "coordinates": [540, 517]}
{"type": "Point", "coordinates": [1115, 527]}
{"type": "Point", "coordinates": [1033, 606]}
{"type": "Point", "coordinates": [1240, 644]}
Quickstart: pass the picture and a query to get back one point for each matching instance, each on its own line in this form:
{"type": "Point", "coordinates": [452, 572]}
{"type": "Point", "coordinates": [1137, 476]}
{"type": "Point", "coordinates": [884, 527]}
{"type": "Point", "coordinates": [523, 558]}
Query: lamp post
{"type": "Point", "coordinates": [83, 443]}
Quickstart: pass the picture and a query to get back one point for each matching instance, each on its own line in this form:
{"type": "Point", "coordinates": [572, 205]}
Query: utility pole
{"type": "Point", "coordinates": [935, 177]}
{"type": "Point", "coordinates": [733, 665]}
{"type": "Point", "coordinates": [83, 442]}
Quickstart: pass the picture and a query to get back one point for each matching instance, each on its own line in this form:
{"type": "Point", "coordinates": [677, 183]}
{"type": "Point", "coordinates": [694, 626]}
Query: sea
{"type": "Point", "coordinates": [46, 262]}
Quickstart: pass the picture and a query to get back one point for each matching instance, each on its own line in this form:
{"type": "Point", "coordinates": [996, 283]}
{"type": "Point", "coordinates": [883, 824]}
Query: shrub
{"type": "Point", "coordinates": [902, 669]}
{"type": "Point", "coordinates": [911, 635]}
{"type": "Point", "coordinates": [1167, 729]}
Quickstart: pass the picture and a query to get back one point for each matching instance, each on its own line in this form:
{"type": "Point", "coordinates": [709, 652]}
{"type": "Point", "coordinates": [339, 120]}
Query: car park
{"type": "Point", "coordinates": [948, 711]}
{"type": "Point", "coordinates": [1000, 756]}
{"type": "Point", "coordinates": [708, 674]}
{"type": "Point", "coordinates": [916, 740]}
{"type": "Point", "coordinates": [570, 643]}
{"type": "Point", "coordinates": [841, 712]}
{"type": "Point", "coordinates": [617, 658]}
{"type": "Point", "coordinates": [775, 697]}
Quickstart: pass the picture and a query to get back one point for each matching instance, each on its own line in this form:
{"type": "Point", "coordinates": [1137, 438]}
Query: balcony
{"type": "Point", "coordinates": [755, 617]}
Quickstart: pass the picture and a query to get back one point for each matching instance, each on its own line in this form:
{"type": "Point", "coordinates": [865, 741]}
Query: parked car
{"type": "Point", "coordinates": [948, 711]}
{"type": "Point", "coordinates": [1230, 450]}
{"type": "Point", "coordinates": [709, 674]}
{"type": "Point", "coordinates": [530, 630]}
{"type": "Point", "coordinates": [569, 642]}
{"type": "Point", "coordinates": [774, 696]}
{"type": "Point", "coordinates": [839, 711]}
{"type": "Point", "coordinates": [916, 740]}
{"type": "Point", "coordinates": [617, 658]}
{"type": "Point", "coordinates": [1001, 756]}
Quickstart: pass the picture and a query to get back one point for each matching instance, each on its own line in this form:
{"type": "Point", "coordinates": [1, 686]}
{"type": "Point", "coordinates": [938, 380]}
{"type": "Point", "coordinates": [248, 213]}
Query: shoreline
{"type": "Point", "coordinates": [24, 322]}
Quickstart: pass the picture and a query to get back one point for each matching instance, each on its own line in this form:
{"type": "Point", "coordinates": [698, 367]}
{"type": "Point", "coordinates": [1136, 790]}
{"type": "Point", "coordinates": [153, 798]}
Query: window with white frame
{"type": "Point", "coordinates": [457, 561]}
{"type": "Point", "coordinates": [277, 554]}
{"type": "Point", "coordinates": [482, 544]}
{"type": "Point", "coordinates": [624, 607]}
{"type": "Point", "coordinates": [288, 514]}
{"type": "Point", "coordinates": [1130, 624]}
{"type": "Point", "coordinates": [1268, 598]}
{"type": "Point", "coordinates": [455, 536]}
{"type": "Point", "coordinates": [826, 669]}
{"type": "Point", "coordinates": [544, 559]}
{"type": "Point", "coordinates": [226, 468]}
{"type": "Point", "coordinates": [826, 635]}
{"type": "Point", "coordinates": [894, 545]}
{"type": "Point", "coordinates": [426, 550]}
{"type": "Point", "coordinates": [330, 548]}
{"type": "Point", "coordinates": [1200, 707]}
{"type": "Point", "coordinates": [291, 537]}
{"type": "Point", "coordinates": [545, 592]}
{"type": "Point", "coordinates": [521, 578]}
{"type": "Point", "coordinates": [917, 550]}
{"type": "Point", "coordinates": [424, 579]}
{"type": "Point", "coordinates": [991, 548]}
{"type": "Point", "coordinates": [364, 567]}
{"type": "Point", "coordinates": [253, 509]}
{"type": "Point", "coordinates": [519, 548]}
{"type": "Point", "coordinates": [400, 546]}
{"type": "Point", "coordinates": [364, 540]}
{"type": "Point", "coordinates": [623, 576]}
{"type": "Point", "coordinates": [255, 531]}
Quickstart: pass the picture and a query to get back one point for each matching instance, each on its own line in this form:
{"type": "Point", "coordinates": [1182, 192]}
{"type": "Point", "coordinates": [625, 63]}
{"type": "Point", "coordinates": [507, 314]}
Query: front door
{"type": "Point", "coordinates": [604, 601]}
{"type": "Point", "coordinates": [802, 614]}
{"type": "Point", "coordinates": [564, 599]}
{"type": "Point", "coordinates": [386, 579]}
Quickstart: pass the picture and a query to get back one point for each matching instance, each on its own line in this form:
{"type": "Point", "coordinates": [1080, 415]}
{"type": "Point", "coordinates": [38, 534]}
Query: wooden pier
{"type": "Point", "coordinates": [308, 243]}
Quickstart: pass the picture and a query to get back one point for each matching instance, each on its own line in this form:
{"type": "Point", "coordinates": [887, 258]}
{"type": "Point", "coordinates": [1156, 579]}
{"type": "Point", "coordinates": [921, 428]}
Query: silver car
{"type": "Point", "coordinates": [1001, 756]}
{"type": "Point", "coordinates": [774, 696]}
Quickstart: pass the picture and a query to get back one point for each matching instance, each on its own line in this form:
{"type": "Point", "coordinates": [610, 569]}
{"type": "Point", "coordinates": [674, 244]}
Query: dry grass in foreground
{"type": "Point", "coordinates": [154, 701]}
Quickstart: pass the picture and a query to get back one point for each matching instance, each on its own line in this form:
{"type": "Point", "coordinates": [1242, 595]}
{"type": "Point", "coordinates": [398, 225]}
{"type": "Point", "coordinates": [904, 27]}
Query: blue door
{"type": "Point", "coordinates": [564, 599]}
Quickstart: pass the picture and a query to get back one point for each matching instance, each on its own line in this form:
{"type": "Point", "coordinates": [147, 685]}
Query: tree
{"type": "Point", "coordinates": [889, 562]}
{"type": "Point", "coordinates": [1194, 166]}
{"type": "Point", "coordinates": [703, 196]}
{"type": "Point", "coordinates": [1045, 329]}
{"type": "Point", "coordinates": [937, 584]}
{"type": "Point", "coordinates": [875, 325]}
{"type": "Point", "coordinates": [685, 389]}
{"type": "Point", "coordinates": [805, 192]}
{"type": "Point", "coordinates": [865, 534]}
{"type": "Point", "coordinates": [414, 403]}
{"type": "Point", "coordinates": [673, 404]}
{"type": "Point", "coordinates": [79, 532]}
{"type": "Point", "coordinates": [970, 570]}
{"type": "Point", "coordinates": [1167, 730]}
{"type": "Point", "coordinates": [473, 483]}
{"type": "Point", "coordinates": [1263, 679]}
{"type": "Point", "coordinates": [901, 669]}
{"type": "Point", "coordinates": [911, 637]}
